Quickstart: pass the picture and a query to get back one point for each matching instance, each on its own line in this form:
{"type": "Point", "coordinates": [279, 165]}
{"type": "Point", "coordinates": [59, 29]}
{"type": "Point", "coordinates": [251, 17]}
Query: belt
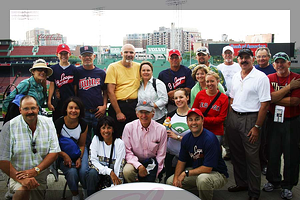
{"type": "Point", "coordinates": [128, 100]}
{"type": "Point", "coordinates": [92, 110]}
{"type": "Point", "coordinates": [244, 113]}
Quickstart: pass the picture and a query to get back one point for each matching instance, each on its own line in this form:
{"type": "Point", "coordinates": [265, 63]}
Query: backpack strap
{"type": "Point", "coordinates": [211, 104]}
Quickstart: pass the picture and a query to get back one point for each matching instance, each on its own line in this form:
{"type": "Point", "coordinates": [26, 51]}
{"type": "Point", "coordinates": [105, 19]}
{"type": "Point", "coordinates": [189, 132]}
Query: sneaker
{"type": "Point", "coordinates": [269, 187]}
{"type": "Point", "coordinates": [77, 197]}
{"type": "Point", "coordinates": [286, 194]}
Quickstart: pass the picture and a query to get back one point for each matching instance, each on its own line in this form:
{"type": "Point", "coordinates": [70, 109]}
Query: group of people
{"type": "Point", "coordinates": [176, 123]}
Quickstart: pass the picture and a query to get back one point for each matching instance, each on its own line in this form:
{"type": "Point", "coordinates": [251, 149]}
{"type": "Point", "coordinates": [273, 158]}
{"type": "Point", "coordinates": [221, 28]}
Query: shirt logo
{"type": "Point", "coordinates": [64, 80]}
{"type": "Point", "coordinates": [198, 153]}
{"type": "Point", "coordinates": [178, 81]}
{"type": "Point", "coordinates": [87, 83]}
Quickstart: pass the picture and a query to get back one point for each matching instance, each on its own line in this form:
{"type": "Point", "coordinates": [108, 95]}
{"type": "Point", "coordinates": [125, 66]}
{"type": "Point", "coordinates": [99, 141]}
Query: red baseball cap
{"type": "Point", "coordinates": [195, 110]}
{"type": "Point", "coordinates": [63, 47]}
{"type": "Point", "coordinates": [174, 51]}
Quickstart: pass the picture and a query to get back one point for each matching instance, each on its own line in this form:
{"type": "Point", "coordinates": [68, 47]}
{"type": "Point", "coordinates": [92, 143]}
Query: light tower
{"type": "Point", "coordinates": [99, 12]}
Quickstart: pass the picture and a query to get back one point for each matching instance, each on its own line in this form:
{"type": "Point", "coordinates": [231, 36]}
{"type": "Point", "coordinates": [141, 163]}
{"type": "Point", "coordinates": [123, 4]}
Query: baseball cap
{"type": "Point", "coordinates": [281, 55]}
{"type": "Point", "coordinates": [195, 110]}
{"type": "Point", "coordinates": [63, 47]}
{"type": "Point", "coordinates": [246, 51]}
{"type": "Point", "coordinates": [174, 51]}
{"type": "Point", "coordinates": [86, 49]}
{"type": "Point", "coordinates": [227, 48]}
{"type": "Point", "coordinates": [203, 50]}
{"type": "Point", "coordinates": [144, 105]}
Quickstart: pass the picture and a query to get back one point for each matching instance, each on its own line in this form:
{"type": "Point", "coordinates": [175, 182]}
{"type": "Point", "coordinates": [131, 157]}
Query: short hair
{"type": "Point", "coordinates": [263, 48]}
{"type": "Point", "coordinates": [106, 120]}
{"type": "Point", "coordinates": [79, 103]}
{"type": "Point", "coordinates": [202, 67]}
{"type": "Point", "coordinates": [186, 93]}
{"type": "Point", "coordinates": [146, 63]}
{"type": "Point", "coordinates": [27, 97]}
{"type": "Point", "coordinates": [214, 74]}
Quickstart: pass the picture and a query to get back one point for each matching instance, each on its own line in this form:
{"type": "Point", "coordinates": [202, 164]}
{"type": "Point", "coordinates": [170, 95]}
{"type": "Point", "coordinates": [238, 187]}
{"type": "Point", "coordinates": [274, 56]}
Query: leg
{"type": "Point", "coordinates": [206, 183]}
{"type": "Point", "coordinates": [92, 181]}
{"type": "Point", "coordinates": [130, 173]}
{"type": "Point", "coordinates": [168, 166]}
{"type": "Point", "coordinates": [21, 193]}
{"type": "Point", "coordinates": [71, 175]}
{"type": "Point", "coordinates": [84, 168]}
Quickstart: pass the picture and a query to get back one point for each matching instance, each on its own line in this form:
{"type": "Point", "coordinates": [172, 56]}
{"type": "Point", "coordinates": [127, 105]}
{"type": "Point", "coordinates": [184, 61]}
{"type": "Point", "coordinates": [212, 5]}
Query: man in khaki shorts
{"type": "Point", "coordinates": [29, 146]}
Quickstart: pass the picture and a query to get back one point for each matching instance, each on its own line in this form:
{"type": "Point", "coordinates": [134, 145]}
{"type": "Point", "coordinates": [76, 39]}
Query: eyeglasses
{"type": "Point", "coordinates": [42, 70]}
{"type": "Point", "coordinates": [27, 109]}
{"type": "Point", "coordinates": [281, 55]}
{"type": "Point", "coordinates": [87, 55]}
{"type": "Point", "coordinates": [174, 57]}
{"type": "Point", "coordinates": [33, 147]}
{"type": "Point", "coordinates": [264, 56]}
{"type": "Point", "coordinates": [144, 112]}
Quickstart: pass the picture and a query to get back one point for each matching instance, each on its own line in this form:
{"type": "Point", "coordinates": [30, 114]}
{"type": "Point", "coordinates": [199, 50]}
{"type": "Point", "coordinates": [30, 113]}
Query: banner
{"type": "Point", "coordinates": [252, 46]}
{"type": "Point", "coordinates": [116, 50]}
{"type": "Point", "coordinates": [156, 49]}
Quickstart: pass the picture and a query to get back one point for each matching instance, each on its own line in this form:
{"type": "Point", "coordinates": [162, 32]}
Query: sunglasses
{"type": "Point", "coordinates": [33, 147]}
{"type": "Point", "coordinates": [42, 70]}
{"type": "Point", "coordinates": [281, 55]}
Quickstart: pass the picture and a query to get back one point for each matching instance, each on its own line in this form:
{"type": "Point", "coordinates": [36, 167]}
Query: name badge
{"type": "Point", "coordinates": [279, 113]}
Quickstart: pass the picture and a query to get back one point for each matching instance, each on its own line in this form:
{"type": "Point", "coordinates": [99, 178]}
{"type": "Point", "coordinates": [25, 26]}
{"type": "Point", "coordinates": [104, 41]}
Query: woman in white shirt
{"type": "Point", "coordinates": [104, 146]}
{"type": "Point", "coordinates": [159, 97]}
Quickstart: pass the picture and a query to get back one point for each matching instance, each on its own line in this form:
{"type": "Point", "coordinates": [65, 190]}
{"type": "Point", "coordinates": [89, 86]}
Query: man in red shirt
{"type": "Point", "coordinates": [283, 127]}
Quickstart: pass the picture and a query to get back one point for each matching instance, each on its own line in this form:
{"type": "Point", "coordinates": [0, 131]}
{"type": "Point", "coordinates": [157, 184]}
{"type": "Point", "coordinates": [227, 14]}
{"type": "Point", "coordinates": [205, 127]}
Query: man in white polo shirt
{"type": "Point", "coordinates": [250, 99]}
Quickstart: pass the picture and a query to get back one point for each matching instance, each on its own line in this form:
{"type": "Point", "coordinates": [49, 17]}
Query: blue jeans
{"type": "Point", "coordinates": [74, 175]}
{"type": "Point", "coordinates": [93, 180]}
{"type": "Point", "coordinates": [91, 121]}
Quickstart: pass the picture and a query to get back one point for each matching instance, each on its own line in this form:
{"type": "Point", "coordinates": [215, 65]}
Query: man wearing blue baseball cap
{"type": "Point", "coordinates": [283, 127]}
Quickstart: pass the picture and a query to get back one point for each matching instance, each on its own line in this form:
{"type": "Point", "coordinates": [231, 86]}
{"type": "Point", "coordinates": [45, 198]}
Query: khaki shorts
{"type": "Point", "coordinates": [37, 193]}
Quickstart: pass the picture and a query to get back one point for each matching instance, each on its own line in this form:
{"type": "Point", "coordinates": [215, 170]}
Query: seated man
{"type": "Point", "coordinates": [145, 144]}
{"type": "Point", "coordinates": [201, 148]}
{"type": "Point", "coordinates": [29, 145]}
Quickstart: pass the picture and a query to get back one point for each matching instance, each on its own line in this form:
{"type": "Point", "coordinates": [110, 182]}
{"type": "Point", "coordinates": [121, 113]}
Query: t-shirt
{"type": "Point", "coordinates": [179, 127]}
{"type": "Point", "coordinates": [127, 80]}
{"type": "Point", "coordinates": [216, 116]}
{"type": "Point", "coordinates": [63, 130]}
{"type": "Point", "coordinates": [228, 71]}
{"type": "Point", "coordinates": [91, 85]}
{"type": "Point", "coordinates": [203, 150]}
{"type": "Point", "coordinates": [267, 70]}
{"type": "Point", "coordinates": [64, 79]}
{"type": "Point", "coordinates": [179, 79]}
{"type": "Point", "coordinates": [276, 83]}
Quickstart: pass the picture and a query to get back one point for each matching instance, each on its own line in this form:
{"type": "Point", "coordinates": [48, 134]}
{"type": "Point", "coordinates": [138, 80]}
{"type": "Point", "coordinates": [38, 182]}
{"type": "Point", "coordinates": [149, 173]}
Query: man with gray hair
{"type": "Point", "coordinates": [145, 144]}
{"type": "Point", "coordinates": [123, 82]}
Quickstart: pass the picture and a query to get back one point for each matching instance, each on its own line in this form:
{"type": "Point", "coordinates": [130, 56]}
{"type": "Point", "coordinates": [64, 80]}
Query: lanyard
{"type": "Point", "coordinates": [285, 82]}
{"type": "Point", "coordinates": [104, 150]}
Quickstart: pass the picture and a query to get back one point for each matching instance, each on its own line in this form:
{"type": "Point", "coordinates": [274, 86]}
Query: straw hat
{"type": "Point", "coordinates": [41, 66]}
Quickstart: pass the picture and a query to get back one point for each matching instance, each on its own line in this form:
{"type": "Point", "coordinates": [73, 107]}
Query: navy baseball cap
{"type": "Point", "coordinates": [246, 51]}
{"type": "Point", "coordinates": [86, 49]}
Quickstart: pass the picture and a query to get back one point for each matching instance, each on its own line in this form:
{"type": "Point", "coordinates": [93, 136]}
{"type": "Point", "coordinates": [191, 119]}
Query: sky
{"type": "Point", "coordinates": [84, 27]}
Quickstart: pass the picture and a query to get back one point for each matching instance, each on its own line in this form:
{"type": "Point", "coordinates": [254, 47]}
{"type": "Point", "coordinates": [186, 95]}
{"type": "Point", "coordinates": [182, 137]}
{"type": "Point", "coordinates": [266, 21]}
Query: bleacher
{"type": "Point", "coordinates": [46, 50]}
{"type": "Point", "coordinates": [22, 51]}
{"type": "Point", "coordinates": [4, 47]}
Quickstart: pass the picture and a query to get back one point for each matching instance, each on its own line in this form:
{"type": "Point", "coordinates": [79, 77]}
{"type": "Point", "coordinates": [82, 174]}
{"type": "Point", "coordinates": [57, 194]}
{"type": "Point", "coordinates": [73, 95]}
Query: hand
{"type": "Point", "coordinates": [171, 134]}
{"type": "Point", "coordinates": [142, 171]}
{"type": "Point", "coordinates": [253, 135]}
{"type": "Point", "coordinates": [121, 117]}
{"type": "Point", "coordinates": [67, 161]}
{"type": "Point", "coordinates": [180, 179]}
{"type": "Point", "coordinates": [51, 107]}
{"type": "Point", "coordinates": [26, 174]}
{"type": "Point", "coordinates": [78, 163]}
{"type": "Point", "coordinates": [114, 178]}
{"type": "Point", "coordinates": [294, 84]}
{"type": "Point", "coordinates": [100, 112]}
{"type": "Point", "coordinates": [29, 183]}
{"type": "Point", "coordinates": [171, 95]}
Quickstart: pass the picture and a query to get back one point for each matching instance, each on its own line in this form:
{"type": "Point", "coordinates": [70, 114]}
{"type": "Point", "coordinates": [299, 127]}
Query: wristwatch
{"type": "Point", "coordinates": [257, 126]}
{"type": "Point", "coordinates": [37, 170]}
{"type": "Point", "coordinates": [178, 137]}
{"type": "Point", "coordinates": [187, 172]}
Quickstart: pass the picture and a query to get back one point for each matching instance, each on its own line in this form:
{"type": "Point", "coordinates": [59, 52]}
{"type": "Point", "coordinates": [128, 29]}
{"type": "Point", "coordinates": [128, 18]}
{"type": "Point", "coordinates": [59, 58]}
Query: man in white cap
{"type": "Point", "coordinates": [145, 144]}
{"type": "Point", "coordinates": [228, 69]}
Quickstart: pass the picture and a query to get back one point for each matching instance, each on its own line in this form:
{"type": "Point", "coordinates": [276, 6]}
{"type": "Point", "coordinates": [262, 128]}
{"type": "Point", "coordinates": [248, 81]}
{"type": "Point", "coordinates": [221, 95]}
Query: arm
{"type": "Point", "coordinates": [114, 103]}
{"type": "Point", "coordinates": [289, 101]}
{"type": "Point", "coordinates": [162, 97]}
{"type": "Point", "coordinates": [221, 88]}
{"type": "Point", "coordinates": [117, 174]}
{"type": "Point", "coordinates": [102, 109]}
{"type": "Point", "coordinates": [178, 171]}
{"type": "Point", "coordinates": [280, 94]}
{"type": "Point", "coordinates": [81, 144]}
{"type": "Point", "coordinates": [253, 133]}
{"type": "Point", "coordinates": [51, 90]}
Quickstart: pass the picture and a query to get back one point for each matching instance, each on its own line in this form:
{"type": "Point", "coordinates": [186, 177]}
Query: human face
{"type": "Point", "coordinates": [180, 99]}
{"type": "Point", "coordinates": [128, 53]}
{"type": "Point", "coordinates": [145, 117]}
{"type": "Point", "coordinates": [202, 58]}
{"type": "Point", "coordinates": [87, 59]}
{"type": "Point", "coordinates": [246, 62]}
{"type": "Point", "coordinates": [228, 57]}
{"type": "Point", "coordinates": [73, 110]}
{"type": "Point", "coordinates": [282, 67]}
{"type": "Point", "coordinates": [39, 74]}
{"type": "Point", "coordinates": [262, 58]}
{"type": "Point", "coordinates": [195, 123]}
{"type": "Point", "coordinates": [106, 132]}
{"type": "Point", "coordinates": [174, 61]}
{"type": "Point", "coordinates": [146, 72]}
{"type": "Point", "coordinates": [211, 83]}
{"type": "Point", "coordinates": [200, 75]}
{"type": "Point", "coordinates": [63, 57]}
{"type": "Point", "coordinates": [29, 110]}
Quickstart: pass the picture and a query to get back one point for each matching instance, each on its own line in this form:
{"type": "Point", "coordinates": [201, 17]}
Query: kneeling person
{"type": "Point", "coordinates": [202, 149]}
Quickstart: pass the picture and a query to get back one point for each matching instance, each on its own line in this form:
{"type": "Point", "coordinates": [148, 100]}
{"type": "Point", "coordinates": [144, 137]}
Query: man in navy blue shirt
{"type": "Point", "coordinates": [91, 89]}
{"type": "Point", "coordinates": [201, 148]}
{"type": "Point", "coordinates": [177, 76]}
